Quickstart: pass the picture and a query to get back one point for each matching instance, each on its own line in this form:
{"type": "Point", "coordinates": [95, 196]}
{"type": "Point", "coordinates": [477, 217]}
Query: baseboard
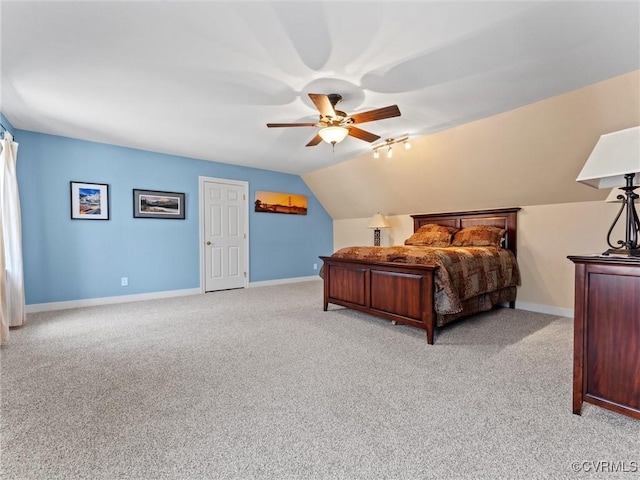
{"type": "Point", "coordinates": [92, 302]}
{"type": "Point", "coordinates": [536, 307]}
{"type": "Point", "coordinates": [282, 281]}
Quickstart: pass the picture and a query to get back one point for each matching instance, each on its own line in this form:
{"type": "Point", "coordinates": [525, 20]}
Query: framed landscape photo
{"type": "Point", "coordinates": [278, 202]}
{"type": "Point", "coordinates": [155, 204]}
{"type": "Point", "coordinates": [89, 201]}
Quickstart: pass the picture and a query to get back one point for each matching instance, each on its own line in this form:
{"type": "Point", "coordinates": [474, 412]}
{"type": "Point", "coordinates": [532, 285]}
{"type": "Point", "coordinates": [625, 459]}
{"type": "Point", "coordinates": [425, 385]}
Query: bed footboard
{"type": "Point", "coordinates": [399, 292]}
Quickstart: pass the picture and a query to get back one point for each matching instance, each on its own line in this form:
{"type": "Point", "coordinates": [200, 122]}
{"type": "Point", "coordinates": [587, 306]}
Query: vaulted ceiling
{"type": "Point", "coordinates": [201, 79]}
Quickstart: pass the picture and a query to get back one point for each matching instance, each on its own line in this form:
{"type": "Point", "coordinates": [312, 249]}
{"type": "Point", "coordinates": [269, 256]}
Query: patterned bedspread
{"type": "Point", "coordinates": [464, 272]}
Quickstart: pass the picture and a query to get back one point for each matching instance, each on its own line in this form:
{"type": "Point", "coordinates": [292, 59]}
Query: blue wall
{"type": "Point", "coordinates": [68, 259]}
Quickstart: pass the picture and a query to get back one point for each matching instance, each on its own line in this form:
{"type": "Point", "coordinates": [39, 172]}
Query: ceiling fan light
{"type": "Point", "coordinates": [390, 152]}
{"type": "Point", "coordinates": [376, 154]}
{"type": "Point", "coordinates": [407, 145]}
{"type": "Point", "coordinates": [333, 134]}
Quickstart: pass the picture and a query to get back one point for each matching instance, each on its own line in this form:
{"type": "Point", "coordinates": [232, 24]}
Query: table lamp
{"type": "Point", "coordinates": [377, 222]}
{"type": "Point", "coordinates": [615, 162]}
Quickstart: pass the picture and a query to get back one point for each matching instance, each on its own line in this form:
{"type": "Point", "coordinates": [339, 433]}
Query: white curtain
{"type": "Point", "coordinates": [11, 271]}
{"type": "Point", "coordinates": [4, 311]}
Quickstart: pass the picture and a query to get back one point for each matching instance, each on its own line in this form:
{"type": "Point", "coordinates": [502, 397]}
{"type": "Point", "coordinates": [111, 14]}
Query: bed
{"type": "Point", "coordinates": [412, 284]}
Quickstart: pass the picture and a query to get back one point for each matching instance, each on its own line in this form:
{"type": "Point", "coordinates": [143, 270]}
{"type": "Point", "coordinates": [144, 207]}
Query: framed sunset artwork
{"type": "Point", "coordinates": [277, 202]}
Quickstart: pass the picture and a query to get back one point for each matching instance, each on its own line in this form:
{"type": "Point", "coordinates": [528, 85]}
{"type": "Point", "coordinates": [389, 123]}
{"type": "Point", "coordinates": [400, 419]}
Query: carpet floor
{"type": "Point", "coordinates": [260, 383]}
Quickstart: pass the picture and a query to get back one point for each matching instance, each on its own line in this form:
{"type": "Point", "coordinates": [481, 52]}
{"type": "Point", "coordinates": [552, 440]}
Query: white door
{"type": "Point", "coordinates": [225, 236]}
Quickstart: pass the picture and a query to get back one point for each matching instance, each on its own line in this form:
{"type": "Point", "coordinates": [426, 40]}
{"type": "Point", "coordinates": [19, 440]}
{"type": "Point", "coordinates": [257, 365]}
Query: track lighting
{"type": "Point", "coordinates": [388, 142]}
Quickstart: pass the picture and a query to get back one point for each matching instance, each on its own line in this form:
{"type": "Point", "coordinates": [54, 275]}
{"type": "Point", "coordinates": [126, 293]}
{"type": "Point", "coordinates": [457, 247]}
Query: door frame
{"type": "Point", "coordinates": [245, 185]}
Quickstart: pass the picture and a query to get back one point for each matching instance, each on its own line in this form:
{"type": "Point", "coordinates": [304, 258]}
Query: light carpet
{"type": "Point", "coordinates": [260, 383]}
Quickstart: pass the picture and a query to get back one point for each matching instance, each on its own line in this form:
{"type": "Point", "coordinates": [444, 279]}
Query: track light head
{"type": "Point", "coordinates": [388, 142]}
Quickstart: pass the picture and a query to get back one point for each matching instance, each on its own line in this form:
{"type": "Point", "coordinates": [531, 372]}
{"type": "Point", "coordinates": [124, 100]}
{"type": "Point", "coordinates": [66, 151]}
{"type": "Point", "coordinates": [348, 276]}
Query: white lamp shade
{"type": "Point", "coordinates": [615, 155]}
{"type": "Point", "coordinates": [378, 221]}
{"type": "Point", "coordinates": [333, 134]}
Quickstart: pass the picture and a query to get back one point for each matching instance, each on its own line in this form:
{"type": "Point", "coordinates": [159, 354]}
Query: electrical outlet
{"type": "Point", "coordinates": [124, 281]}
{"type": "Point", "coordinates": [315, 266]}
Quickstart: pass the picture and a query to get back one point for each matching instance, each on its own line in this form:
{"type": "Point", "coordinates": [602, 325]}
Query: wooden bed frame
{"type": "Point", "coordinates": [399, 292]}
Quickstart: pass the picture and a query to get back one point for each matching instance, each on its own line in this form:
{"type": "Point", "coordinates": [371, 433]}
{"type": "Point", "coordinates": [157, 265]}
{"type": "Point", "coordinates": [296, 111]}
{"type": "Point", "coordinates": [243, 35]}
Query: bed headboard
{"type": "Point", "coordinates": [499, 217]}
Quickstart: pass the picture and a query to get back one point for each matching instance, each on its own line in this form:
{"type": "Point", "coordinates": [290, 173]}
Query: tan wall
{"type": "Point", "coordinates": [528, 156]}
{"type": "Point", "coordinates": [547, 234]}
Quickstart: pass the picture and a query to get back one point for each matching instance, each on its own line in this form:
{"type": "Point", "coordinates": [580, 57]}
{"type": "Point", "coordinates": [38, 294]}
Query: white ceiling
{"type": "Point", "coordinates": [201, 79]}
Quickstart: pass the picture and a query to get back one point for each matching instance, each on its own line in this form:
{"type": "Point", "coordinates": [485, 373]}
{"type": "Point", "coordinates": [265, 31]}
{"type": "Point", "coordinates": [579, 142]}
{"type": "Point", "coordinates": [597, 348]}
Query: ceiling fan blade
{"type": "Point", "coordinates": [271, 125]}
{"type": "Point", "coordinates": [377, 114]}
{"type": "Point", "coordinates": [314, 141]}
{"type": "Point", "coordinates": [363, 134]}
{"type": "Point", "coordinates": [323, 104]}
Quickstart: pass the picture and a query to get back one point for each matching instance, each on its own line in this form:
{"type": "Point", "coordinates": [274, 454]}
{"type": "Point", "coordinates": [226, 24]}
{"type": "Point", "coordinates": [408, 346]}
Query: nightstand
{"type": "Point", "coordinates": [606, 359]}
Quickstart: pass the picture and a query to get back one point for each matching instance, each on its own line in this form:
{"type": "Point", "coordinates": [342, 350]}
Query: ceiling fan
{"type": "Point", "coordinates": [336, 125]}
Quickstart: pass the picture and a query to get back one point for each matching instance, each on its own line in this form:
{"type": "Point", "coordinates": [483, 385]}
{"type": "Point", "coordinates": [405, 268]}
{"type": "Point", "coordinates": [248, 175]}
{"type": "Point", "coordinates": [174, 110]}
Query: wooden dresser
{"type": "Point", "coordinates": [606, 359]}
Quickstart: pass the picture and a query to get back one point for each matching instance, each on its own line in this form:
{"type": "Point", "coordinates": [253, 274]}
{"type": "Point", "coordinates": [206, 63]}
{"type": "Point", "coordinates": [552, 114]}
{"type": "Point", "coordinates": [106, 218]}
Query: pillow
{"type": "Point", "coordinates": [479, 236]}
{"type": "Point", "coordinates": [432, 235]}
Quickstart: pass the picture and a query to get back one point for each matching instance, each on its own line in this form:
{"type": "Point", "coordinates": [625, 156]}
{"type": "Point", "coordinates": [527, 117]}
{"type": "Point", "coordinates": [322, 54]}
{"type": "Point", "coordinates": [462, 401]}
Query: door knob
{"type": "Point", "coordinates": [208, 242]}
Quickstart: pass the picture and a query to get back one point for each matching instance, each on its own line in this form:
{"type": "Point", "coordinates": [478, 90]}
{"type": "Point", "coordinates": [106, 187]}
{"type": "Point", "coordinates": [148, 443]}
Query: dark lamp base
{"type": "Point", "coordinates": [630, 247]}
{"type": "Point", "coordinates": [634, 252]}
